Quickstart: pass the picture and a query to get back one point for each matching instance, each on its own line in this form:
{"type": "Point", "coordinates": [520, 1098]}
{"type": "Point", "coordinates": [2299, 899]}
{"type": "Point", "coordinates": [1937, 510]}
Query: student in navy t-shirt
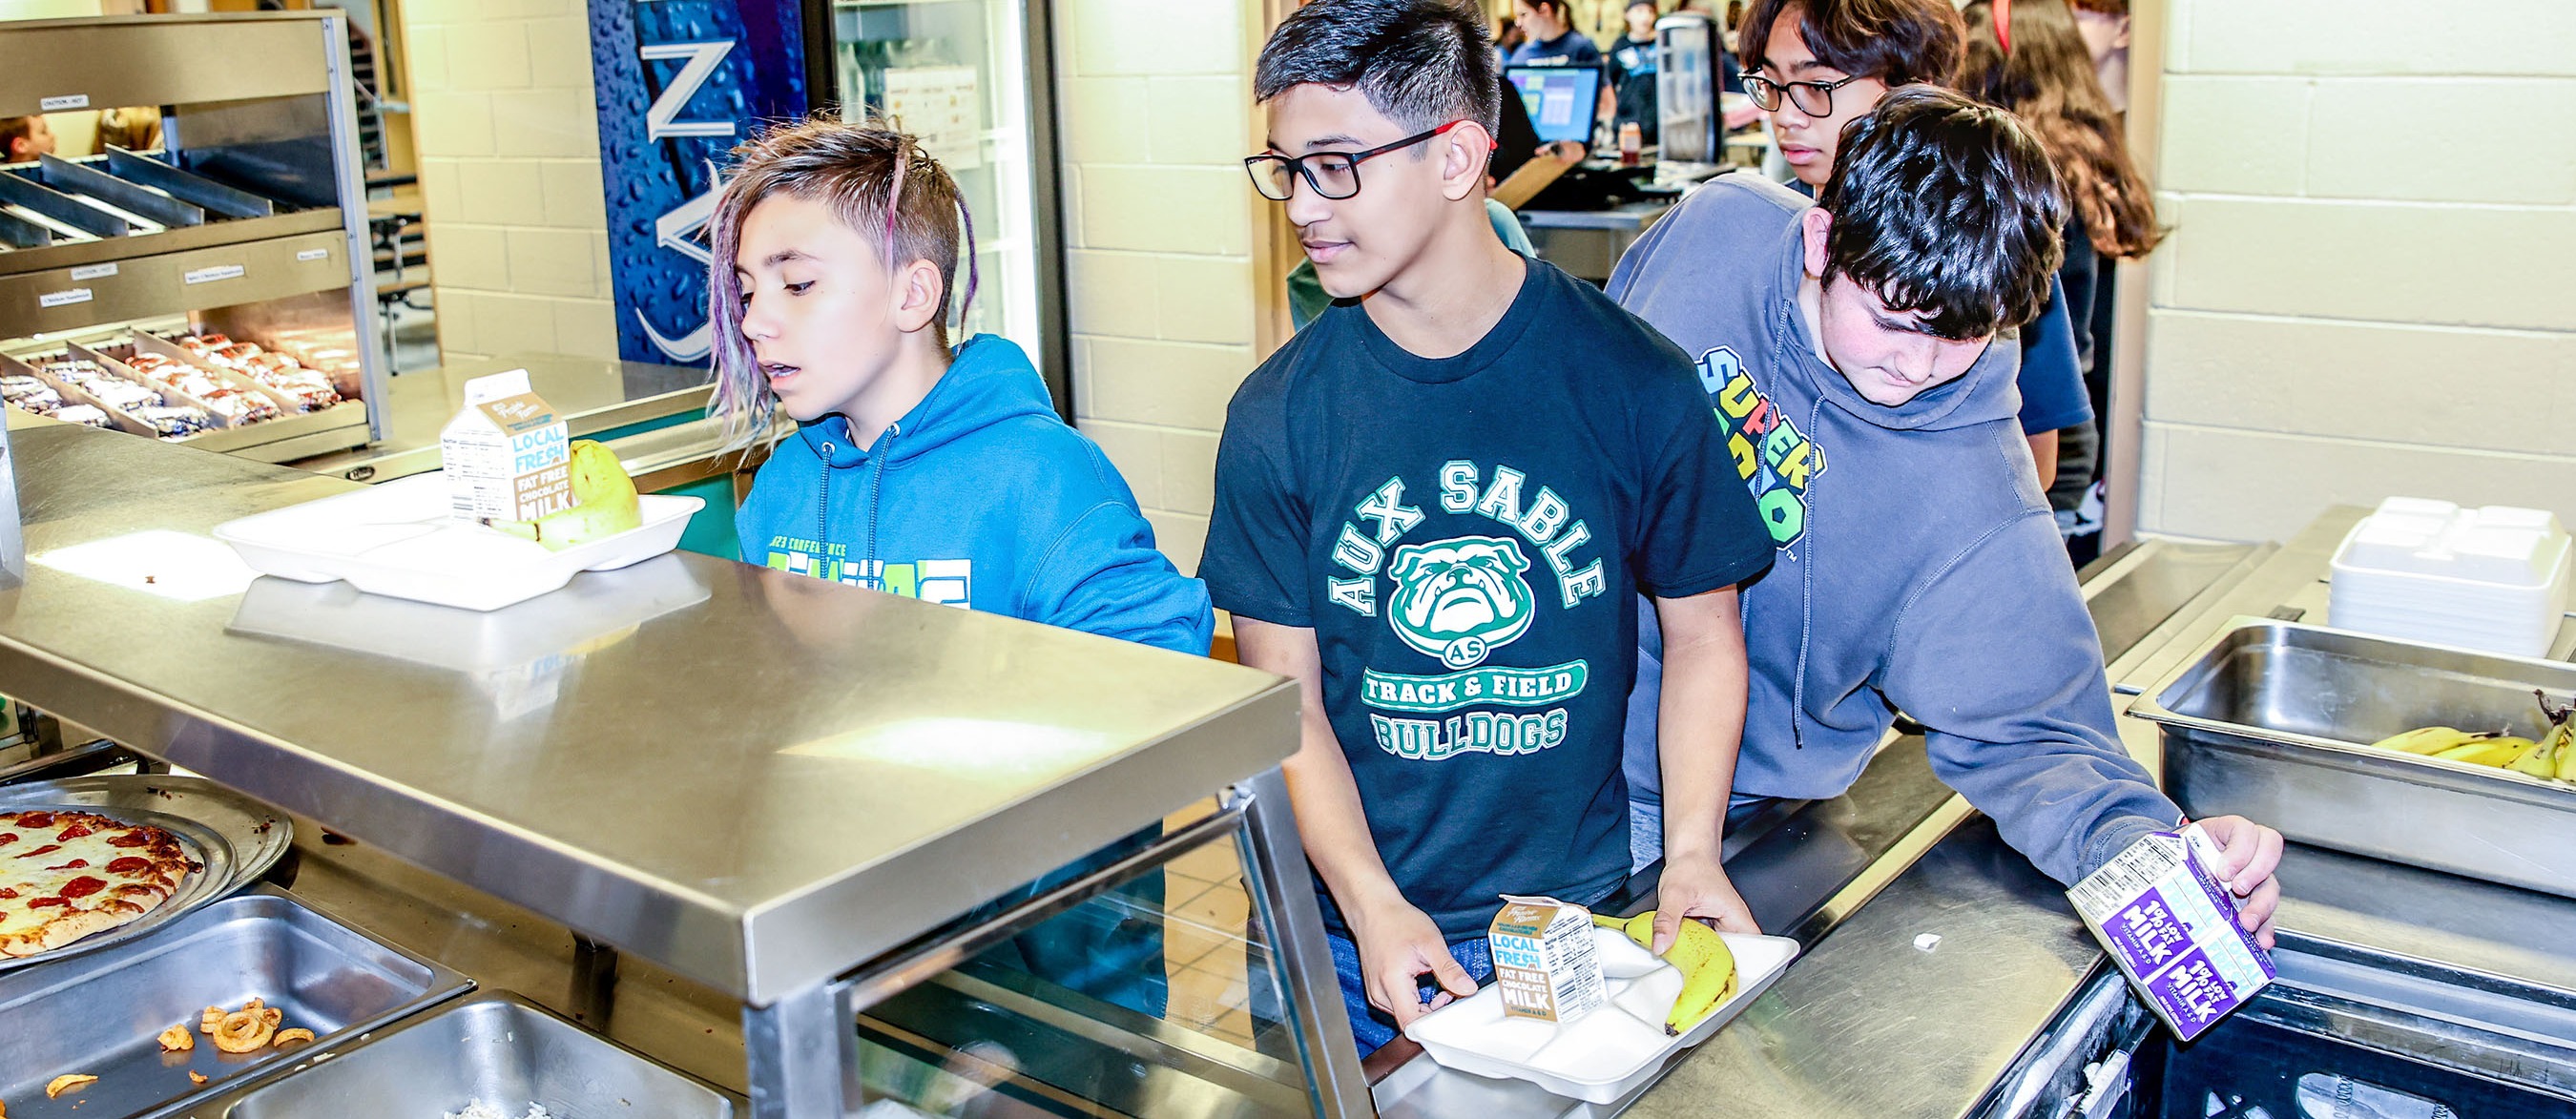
{"type": "Point", "coordinates": [1436, 507]}
{"type": "Point", "coordinates": [1631, 70]}
{"type": "Point", "coordinates": [1552, 41]}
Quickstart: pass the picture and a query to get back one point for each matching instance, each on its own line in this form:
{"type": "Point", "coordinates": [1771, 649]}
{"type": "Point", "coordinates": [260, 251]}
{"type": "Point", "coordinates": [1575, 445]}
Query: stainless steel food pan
{"type": "Point", "coordinates": [2271, 722]}
{"type": "Point", "coordinates": [100, 1013]}
{"type": "Point", "coordinates": [497, 1048]}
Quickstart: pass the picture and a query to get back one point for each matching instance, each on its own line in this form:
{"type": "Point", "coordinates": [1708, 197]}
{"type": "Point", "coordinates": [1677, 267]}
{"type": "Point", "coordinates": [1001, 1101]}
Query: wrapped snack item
{"type": "Point", "coordinates": [176, 422]}
{"type": "Point", "coordinates": [277, 371]}
{"type": "Point", "coordinates": [114, 392]}
{"type": "Point", "coordinates": [233, 404]}
{"type": "Point", "coordinates": [30, 394]}
{"type": "Point", "coordinates": [84, 414]}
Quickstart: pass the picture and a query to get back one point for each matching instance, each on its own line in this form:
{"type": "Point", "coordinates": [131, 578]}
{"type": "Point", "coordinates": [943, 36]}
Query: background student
{"type": "Point", "coordinates": [2044, 73]}
{"type": "Point", "coordinates": [2105, 27]}
{"type": "Point", "coordinates": [1630, 72]}
{"type": "Point", "coordinates": [1850, 349]}
{"type": "Point", "coordinates": [1549, 37]}
{"type": "Point", "coordinates": [22, 139]}
{"type": "Point", "coordinates": [1817, 65]}
{"type": "Point", "coordinates": [1435, 509]}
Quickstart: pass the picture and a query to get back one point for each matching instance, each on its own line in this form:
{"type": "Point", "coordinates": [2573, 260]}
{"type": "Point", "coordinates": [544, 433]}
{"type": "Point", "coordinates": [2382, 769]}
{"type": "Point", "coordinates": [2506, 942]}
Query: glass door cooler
{"type": "Point", "coordinates": [974, 80]}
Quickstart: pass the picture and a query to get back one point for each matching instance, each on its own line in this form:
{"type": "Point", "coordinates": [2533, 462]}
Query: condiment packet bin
{"type": "Point", "coordinates": [1606, 1055]}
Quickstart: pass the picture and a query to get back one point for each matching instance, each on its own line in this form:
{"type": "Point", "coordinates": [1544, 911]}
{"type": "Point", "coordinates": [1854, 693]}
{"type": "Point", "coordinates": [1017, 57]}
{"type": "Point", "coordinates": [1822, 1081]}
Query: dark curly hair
{"type": "Point", "coordinates": [1946, 207]}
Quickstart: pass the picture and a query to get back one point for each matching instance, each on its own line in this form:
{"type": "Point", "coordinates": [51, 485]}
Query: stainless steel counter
{"type": "Point", "coordinates": [1866, 1024]}
{"type": "Point", "coordinates": [1871, 1024]}
{"type": "Point", "coordinates": [1874, 1024]}
{"type": "Point", "coordinates": [680, 787]}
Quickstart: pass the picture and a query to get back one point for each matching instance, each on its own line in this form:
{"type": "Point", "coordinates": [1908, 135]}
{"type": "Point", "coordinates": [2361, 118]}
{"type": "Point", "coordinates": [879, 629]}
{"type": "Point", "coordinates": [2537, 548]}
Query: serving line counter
{"type": "Point", "coordinates": [1969, 988]}
{"type": "Point", "coordinates": [817, 805]}
{"type": "Point", "coordinates": [1855, 1028]}
{"type": "Point", "coordinates": [750, 786]}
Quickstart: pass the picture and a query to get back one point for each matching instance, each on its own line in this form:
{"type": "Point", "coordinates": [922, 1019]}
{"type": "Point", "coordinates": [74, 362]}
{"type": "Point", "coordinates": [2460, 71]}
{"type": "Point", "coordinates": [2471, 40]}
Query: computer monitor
{"type": "Point", "coordinates": [1562, 100]}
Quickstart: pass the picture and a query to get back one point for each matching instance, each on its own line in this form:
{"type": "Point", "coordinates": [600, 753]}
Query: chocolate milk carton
{"type": "Point", "coordinates": [507, 457]}
{"type": "Point", "coordinates": [1544, 960]}
{"type": "Point", "coordinates": [2171, 926]}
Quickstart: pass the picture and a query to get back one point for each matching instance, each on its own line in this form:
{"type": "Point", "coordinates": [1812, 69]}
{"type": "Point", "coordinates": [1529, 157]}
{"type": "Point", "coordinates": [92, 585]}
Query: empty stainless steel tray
{"type": "Point", "coordinates": [100, 1013]}
{"type": "Point", "coordinates": [497, 1048]}
{"type": "Point", "coordinates": [2272, 722]}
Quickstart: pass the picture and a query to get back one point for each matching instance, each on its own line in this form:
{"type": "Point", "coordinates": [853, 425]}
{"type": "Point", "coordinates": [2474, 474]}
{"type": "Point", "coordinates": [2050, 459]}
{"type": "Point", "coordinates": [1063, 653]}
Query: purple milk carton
{"type": "Point", "coordinates": [2171, 926]}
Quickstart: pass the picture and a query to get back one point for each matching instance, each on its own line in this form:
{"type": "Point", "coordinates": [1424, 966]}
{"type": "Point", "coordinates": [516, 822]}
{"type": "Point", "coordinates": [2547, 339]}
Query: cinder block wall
{"type": "Point", "coordinates": [2373, 286]}
{"type": "Point", "coordinates": [1160, 223]}
{"type": "Point", "coordinates": [508, 138]}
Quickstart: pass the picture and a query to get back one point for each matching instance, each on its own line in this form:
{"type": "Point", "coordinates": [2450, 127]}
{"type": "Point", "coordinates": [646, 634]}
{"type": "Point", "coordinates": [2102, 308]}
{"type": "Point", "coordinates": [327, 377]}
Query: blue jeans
{"type": "Point", "coordinates": [1370, 1026]}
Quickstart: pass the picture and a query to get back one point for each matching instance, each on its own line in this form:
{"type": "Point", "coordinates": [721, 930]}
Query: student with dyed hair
{"type": "Point", "coordinates": [918, 468]}
{"type": "Point", "coordinates": [925, 470]}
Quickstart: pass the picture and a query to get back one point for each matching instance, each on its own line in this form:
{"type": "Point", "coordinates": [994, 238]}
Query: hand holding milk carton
{"type": "Point", "coordinates": [2171, 926]}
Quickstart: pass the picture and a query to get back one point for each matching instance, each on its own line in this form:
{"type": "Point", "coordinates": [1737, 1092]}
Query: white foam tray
{"type": "Point", "coordinates": [1611, 1052]}
{"type": "Point", "coordinates": [399, 539]}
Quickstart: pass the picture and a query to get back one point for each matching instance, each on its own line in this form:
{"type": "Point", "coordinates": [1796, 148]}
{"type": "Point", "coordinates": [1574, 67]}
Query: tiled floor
{"type": "Point", "coordinates": [1203, 942]}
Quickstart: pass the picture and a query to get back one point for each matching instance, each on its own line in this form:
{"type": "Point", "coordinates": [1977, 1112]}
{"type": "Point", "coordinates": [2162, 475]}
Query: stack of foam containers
{"type": "Point", "coordinates": [2493, 578]}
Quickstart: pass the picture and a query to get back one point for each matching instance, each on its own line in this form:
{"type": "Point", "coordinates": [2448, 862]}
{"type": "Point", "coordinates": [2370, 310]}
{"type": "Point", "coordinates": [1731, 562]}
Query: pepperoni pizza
{"type": "Point", "coordinates": [67, 875]}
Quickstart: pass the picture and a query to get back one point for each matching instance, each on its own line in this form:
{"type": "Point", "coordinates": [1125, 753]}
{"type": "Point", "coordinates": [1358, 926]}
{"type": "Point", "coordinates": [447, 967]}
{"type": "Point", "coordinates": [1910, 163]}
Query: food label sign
{"type": "Point", "coordinates": [680, 83]}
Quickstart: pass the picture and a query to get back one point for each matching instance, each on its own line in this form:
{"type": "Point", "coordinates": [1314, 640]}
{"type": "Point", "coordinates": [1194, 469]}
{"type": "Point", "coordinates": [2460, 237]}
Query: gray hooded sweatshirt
{"type": "Point", "coordinates": [1918, 568]}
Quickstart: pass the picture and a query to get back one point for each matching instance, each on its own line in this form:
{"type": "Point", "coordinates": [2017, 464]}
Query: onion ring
{"type": "Point", "coordinates": [298, 1033]}
{"type": "Point", "coordinates": [67, 1082]}
{"type": "Point", "coordinates": [244, 1031]}
{"type": "Point", "coordinates": [176, 1040]}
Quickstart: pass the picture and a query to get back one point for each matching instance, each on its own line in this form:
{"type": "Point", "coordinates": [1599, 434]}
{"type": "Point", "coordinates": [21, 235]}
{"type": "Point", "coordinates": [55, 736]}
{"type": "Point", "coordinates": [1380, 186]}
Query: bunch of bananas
{"type": "Point", "coordinates": [1706, 964]}
{"type": "Point", "coordinates": [2552, 757]}
{"type": "Point", "coordinates": [604, 503]}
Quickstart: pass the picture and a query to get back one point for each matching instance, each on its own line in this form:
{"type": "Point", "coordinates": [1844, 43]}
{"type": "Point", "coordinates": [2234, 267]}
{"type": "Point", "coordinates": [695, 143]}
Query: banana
{"type": "Point", "coordinates": [1706, 964]}
{"type": "Point", "coordinates": [2532, 759]}
{"type": "Point", "coordinates": [2423, 740]}
{"type": "Point", "coordinates": [2486, 751]}
{"type": "Point", "coordinates": [604, 503]}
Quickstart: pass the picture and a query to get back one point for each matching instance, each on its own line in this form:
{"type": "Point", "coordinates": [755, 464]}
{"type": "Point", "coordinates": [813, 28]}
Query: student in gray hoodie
{"type": "Point", "coordinates": [1845, 348]}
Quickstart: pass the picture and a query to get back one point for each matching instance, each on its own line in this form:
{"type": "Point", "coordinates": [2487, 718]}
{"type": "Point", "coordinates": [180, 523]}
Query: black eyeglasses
{"type": "Point", "coordinates": [1815, 99]}
{"type": "Point", "coordinates": [1333, 175]}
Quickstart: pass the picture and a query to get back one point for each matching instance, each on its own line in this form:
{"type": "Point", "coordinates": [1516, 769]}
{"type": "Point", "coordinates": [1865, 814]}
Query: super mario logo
{"type": "Point", "coordinates": [1775, 459]}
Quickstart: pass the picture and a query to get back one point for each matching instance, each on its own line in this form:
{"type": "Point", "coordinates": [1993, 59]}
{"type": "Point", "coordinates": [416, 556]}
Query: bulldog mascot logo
{"type": "Point", "coordinates": [1460, 599]}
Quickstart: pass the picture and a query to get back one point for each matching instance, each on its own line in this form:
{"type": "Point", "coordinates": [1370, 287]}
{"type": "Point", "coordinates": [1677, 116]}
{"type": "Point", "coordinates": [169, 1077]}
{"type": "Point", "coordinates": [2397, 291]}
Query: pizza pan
{"type": "Point", "coordinates": [235, 837]}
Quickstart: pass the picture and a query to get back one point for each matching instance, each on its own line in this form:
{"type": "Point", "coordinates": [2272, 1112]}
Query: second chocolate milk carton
{"type": "Point", "coordinates": [506, 452]}
{"type": "Point", "coordinates": [2171, 926]}
{"type": "Point", "coordinates": [1545, 961]}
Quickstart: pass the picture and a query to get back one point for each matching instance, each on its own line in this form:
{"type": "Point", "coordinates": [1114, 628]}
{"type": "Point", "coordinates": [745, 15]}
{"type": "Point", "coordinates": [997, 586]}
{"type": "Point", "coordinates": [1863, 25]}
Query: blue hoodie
{"type": "Point", "coordinates": [979, 497]}
{"type": "Point", "coordinates": [1919, 567]}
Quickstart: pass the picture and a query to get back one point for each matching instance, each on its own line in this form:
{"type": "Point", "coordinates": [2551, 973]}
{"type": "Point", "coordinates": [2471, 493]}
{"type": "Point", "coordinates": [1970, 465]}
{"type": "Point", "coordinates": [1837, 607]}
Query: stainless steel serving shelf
{"type": "Point", "coordinates": [253, 219]}
{"type": "Point", "coordinates": [760, 791]}
{"type": "Point", "coordinates": [689, 795]}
